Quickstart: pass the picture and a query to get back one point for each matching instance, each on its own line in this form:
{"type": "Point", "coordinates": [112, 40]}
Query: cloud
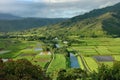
{"type": "Point", "coordinates": [51, 8]}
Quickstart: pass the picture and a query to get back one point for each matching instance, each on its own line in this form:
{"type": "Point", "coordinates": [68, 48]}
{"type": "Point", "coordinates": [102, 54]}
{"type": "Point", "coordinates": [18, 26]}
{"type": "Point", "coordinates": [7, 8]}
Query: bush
{"type": "Point", "coordinates": [21, 70]}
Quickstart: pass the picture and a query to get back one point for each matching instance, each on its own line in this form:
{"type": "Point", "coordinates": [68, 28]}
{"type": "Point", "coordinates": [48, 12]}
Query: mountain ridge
{"type": "Point", "coordinates": [26, 23]}
{"type": "Point", "coordinates": [7, 16]}
{"type": "Point", "coordinates": [105, 24]}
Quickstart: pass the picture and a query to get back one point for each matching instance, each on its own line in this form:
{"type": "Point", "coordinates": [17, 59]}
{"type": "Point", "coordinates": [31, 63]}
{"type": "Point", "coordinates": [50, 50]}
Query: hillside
{"type": "Point", "coordinates": [92, 14]}
{"type": "Point", "coordinates": [26, 23]}
{"type": "Point", "coordinates": [6, 16]}
{"type": "Point", "coordinates": [103, 22]}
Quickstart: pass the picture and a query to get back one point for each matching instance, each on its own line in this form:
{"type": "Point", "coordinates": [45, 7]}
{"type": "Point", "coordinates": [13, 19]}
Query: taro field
{"type": "Point", "coordinates": [97, 51]}
{"type": "Point", "coordinates": [90, 52]}
{"type": "Point", "coordinates": [30, 50]}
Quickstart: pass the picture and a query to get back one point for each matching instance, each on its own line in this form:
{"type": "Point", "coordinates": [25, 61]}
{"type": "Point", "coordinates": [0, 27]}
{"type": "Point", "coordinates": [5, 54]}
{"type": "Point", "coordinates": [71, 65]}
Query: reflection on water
{"type": "Point", "coordinates": [74, 61]}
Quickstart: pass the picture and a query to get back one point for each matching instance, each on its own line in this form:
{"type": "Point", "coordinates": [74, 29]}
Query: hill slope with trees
{"type": "Point", "coordinates": [9, 25]}
{"type": "Point", "coordinates": [103, 22]}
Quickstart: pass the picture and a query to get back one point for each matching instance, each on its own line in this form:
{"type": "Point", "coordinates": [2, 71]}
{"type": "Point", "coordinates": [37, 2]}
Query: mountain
{"type": "Point", "coordinates": [94, 13]}
{"type": "Point", "coordinates": [103, 22]}
{"type": "Point", "coordinates": [26, 23]}
{"type": "Point", "coordinates": [6, 16]}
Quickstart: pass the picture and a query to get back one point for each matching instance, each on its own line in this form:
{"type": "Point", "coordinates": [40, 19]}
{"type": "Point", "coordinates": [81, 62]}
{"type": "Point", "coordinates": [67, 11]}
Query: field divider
{"type": "Point", "coordinates": [97, 51]}
{"type": "Point", "coordinates": [53, 57]}
{"type": "Point", "coordinates": [85, 64]}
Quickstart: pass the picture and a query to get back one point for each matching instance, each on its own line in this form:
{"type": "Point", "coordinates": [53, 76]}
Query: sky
{"type": "Point", "coordinates": [52, 8]}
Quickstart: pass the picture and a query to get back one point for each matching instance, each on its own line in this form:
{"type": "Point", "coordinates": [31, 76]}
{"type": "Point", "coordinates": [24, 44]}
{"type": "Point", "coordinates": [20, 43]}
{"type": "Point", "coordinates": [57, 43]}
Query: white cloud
{"type": "Point", "coordinates": [62, 1]}
{"type": "Point", "coordinates": [52, 8]}
{"type": "Point", "coordinates": [55, 1]}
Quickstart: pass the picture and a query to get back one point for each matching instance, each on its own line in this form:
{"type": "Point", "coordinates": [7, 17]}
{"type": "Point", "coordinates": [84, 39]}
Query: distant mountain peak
{"type": "Point", "coordinates": [7, 16]}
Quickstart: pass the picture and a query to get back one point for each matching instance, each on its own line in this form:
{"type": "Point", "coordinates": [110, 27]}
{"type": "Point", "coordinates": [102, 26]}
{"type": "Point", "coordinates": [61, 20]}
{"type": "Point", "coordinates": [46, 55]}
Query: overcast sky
{"type": "Point", "coordinates": [52, 8]}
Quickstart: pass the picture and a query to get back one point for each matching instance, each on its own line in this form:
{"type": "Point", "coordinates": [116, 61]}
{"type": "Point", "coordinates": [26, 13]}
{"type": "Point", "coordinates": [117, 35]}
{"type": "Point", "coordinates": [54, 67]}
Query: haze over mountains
{"type": "Point", "coordinates": [97, 23]}
{"type": "Point", "coordinates": [6, 16]}
{"type": "Point", "coordinates": [9, 22]}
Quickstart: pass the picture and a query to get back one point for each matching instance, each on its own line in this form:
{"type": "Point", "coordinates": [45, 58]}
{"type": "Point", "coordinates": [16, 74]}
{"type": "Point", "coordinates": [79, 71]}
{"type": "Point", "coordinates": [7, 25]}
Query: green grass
{"type": "Point", "coordinates": [114, 49]}
{"type": "Point", "coordinates": [103, 50]}
{"type": "Point", "coordinates": [116, 57]}
{"type": "Point", "coordinates": [86, 47]}
{"type": "Point", "coordinates": [59, 62]}
{"type": "Point", "coordinates": [41, 60]}
{"type": "Point", "coordinates": [91, 63]}
{"type": "Point", "coordinates": [30, 58]}
{"type": "Point", "coordinates": [110, 64]}
{"type": "Point", "coordinates": [80, 62]}
{"type": "Point", "coordinates": [97, 46]}
{"type": "Point", "coordinates": [16, 47]}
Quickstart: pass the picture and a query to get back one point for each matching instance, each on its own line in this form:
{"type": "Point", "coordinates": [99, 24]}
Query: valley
{"type": "Point", "coordinates": [90, 53]}
{"type": "Point", "coordinates": [84, 47]}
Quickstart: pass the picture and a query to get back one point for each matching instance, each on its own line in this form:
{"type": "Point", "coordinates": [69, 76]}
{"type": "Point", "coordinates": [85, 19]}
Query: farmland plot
{"type": "Point", "coordinates": [104, 58]}
{"type": "Point", "coordinates": [116, 57]}
{"type": "Point", "coordinates": [91, 63]}
{"type": "Point", "coordinates": [42, 60]}
{"type": "Point", "coordinates": [59, 62]}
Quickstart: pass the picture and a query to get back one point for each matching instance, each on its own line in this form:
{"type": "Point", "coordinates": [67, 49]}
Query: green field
{"type": "Point", "coordinates": [59, 62]}
{"type": "Point", "coordinates": [29, 50]}
{"type": "Point", "coordinates": [80, 62]}
{"type": "Point", "coordinates": [116, 57]}
{"type": "Point", "coordinates": [91, 63]}
{"type": "Point", "coordinates": [94, 47]}
{"type": "Point", "coordinates": [42, 60]}
{"type": "Point", "coordinates": [17, 49]}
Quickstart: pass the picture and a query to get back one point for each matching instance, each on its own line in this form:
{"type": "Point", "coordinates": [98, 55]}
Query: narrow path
{"type": "Point", "coordinates": [50, 62]}
{"type": "Point", "coordinates": [84, 64]}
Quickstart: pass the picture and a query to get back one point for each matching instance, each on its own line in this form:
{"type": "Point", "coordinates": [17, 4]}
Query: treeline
{"type": "Point", "coordinates": [26, 23]}
{"type": "Point", "coordinates": [21, 70]}
{"type": "Point", "coordinates": [24, 70]}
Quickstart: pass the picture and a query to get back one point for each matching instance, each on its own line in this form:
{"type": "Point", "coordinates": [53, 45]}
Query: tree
{"type": "Point", "coordinates": [71, 74]}
{"type": "Point", "coordinates": [22, 70]}
{"type": "Point", "coordinates": [106, 73]}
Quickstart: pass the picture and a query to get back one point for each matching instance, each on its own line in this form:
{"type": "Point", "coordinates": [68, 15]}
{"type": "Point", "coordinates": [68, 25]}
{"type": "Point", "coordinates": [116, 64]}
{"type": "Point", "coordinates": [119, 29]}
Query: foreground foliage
{"type": "Point", "coordinates": [21, 70]}
{"type": "Point", "coordinates": [71, 74]}
{"type": "Point", "coordinates": [24, 70]}
{"type": "Point", "coordinates": [106, 73]}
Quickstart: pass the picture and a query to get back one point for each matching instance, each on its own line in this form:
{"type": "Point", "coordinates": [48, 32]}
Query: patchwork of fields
{"type": "Point", "coordinates": [90, 53]}
{"type": "Point", "coordinates": [106, 51]}
{"type": "Point", "coordinates": [29, 50]}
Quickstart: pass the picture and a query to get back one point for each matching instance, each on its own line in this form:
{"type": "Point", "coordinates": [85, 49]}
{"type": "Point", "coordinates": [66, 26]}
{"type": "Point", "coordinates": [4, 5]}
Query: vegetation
{"type": "Point", "coordinates": [26, 23]}
{"type": "Point", "coordinates": [72, 74]}
{"type": "Point", "coordinates": [97, 23]}
{"type": "Point", "coordinates": [92, 65]}
{"type": "Point", "coordinates": [93, 38]}
{"type": "Point", "coordinates": [59, 62]}
{"type": "Point", "coordinates": [21, 70]}
{"type": "Point", "coordinates": [106, 73]}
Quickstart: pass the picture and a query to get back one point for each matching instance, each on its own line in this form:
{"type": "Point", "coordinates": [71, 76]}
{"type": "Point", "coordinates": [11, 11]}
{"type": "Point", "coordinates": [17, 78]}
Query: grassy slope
{"type": "Point", "coordinates": [106, 25]}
